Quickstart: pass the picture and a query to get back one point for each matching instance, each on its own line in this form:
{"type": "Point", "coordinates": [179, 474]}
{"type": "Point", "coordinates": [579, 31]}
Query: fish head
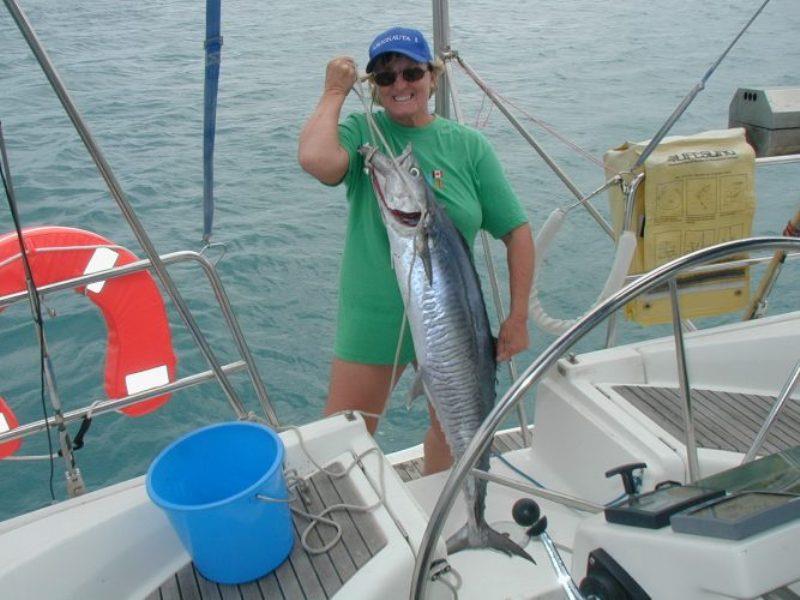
{"type": "Point", "coordinates": [400, 189]}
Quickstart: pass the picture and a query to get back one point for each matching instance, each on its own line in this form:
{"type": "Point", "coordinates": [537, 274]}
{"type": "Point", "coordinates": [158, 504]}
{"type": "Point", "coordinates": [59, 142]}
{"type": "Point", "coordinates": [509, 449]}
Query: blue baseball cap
{"type": "Point", "coordinates": [405, 41]}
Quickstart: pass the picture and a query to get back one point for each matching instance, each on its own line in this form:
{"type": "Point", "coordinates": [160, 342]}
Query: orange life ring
{"type": "Point", "coordinates": [139, 353]}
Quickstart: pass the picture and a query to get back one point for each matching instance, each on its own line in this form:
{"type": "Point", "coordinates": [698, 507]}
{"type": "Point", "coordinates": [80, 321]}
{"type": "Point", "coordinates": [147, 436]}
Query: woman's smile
{"type": "Point", "coordinates": [406, 101]}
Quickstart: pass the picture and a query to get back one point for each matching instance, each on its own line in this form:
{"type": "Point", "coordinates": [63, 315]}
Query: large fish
{"type": "Point", "coordinates": [449, 325]}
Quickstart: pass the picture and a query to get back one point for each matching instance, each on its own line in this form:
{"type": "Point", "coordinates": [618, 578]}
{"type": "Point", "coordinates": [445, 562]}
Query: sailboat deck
{"type": "Point", "coordinates": [723, 420]}
{"type": "Point", "coordinates": [306, 576]}
{"type": "Point", "coordinates": [303, 576]}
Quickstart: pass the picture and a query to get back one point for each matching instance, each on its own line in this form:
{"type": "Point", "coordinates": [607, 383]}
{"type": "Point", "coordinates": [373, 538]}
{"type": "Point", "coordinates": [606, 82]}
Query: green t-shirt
{"type": "Point", "coordinates": [467, 180]}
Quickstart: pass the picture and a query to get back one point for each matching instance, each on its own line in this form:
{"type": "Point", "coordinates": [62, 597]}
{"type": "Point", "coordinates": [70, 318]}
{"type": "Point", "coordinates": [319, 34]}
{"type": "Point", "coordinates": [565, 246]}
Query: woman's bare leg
{"type": "Point", "coordinates": [437, 452]}
{"type": "Point", "coordinates": [356, 386]}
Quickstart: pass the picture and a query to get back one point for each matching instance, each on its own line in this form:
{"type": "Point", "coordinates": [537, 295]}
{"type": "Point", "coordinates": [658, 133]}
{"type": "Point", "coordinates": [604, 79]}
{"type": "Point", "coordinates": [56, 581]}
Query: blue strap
{"type": "Point", "coordinates": [213, 46]}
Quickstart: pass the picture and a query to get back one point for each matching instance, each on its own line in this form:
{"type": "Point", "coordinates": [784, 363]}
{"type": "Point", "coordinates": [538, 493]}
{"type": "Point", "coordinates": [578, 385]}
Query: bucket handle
{"type": "Point", "coordinates": [268, 499]}
{"type": "Point", "coordinates": [292, 481]}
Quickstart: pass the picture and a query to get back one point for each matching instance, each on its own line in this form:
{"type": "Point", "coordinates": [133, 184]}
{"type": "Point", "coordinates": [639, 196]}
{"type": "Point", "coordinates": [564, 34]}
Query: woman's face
{"type": "Point", "coordinates": [405, 101]}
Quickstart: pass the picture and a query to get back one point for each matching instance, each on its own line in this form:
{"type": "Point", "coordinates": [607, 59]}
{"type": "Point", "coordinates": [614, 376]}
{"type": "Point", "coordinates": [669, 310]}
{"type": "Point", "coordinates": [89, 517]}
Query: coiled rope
{"type": "Point", "coordinates": [296, 485]}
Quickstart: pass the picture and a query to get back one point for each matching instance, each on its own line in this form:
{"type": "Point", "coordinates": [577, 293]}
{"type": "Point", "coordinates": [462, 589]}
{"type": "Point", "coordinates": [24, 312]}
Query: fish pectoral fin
{"type": "Point", "coordinates": [417, 389]}
{"type": "Point", "coordinates": [498, 541]}
{"type": "Point", "coordinates": [422, 248]}
{"type": "Point", "coordinates": [485, 537]}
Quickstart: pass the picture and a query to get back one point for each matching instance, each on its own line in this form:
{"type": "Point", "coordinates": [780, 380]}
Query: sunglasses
{"type": "Point", "coordinates": [410, 74]}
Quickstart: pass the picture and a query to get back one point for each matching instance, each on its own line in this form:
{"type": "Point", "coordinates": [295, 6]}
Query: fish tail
{"type": "Point", "coordinates": [477, 533]}
{"type": "Point", "coordinates": [484, 537]}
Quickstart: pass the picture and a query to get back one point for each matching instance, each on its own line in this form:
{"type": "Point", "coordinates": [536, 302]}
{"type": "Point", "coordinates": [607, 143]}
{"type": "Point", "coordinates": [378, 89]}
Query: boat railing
{"type": "Point", "coordinates": [664, 275]}
{"type": "Point", "coordinates": [104, 406]}
{"type": "Point", "coordinates": [159, 268]}
{"type": "Point", "coordinates": [630, 189]}
{"type": "Point", "coordinates": [447, 96]}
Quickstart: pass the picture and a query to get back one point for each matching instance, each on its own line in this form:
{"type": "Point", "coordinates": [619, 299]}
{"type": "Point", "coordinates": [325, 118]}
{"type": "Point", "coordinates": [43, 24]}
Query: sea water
{"type": "Point", "coordinates": [598, 72]}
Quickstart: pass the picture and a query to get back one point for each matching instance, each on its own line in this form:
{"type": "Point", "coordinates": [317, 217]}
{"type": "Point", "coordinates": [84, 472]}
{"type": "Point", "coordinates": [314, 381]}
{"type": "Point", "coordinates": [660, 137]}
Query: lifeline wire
{"type": "Point", "coordinates": [543, 124]}
{"type": "Point", "coordinates": [36, 307]}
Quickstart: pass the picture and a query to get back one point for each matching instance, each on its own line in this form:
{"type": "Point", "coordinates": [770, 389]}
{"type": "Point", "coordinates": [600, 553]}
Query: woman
{"type": "Point", "coordinates": [467, 180]}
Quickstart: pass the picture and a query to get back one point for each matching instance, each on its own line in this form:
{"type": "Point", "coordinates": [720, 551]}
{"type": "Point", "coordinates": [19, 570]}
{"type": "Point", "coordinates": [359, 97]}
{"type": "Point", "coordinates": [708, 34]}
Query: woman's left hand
{"type": "Point", "coordinates": [513, 338]}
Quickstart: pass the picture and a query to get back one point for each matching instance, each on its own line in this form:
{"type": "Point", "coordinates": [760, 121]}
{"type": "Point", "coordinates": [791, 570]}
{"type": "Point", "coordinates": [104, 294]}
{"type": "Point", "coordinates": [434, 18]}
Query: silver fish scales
{"type": "Point", "coordinates": [448, 321]}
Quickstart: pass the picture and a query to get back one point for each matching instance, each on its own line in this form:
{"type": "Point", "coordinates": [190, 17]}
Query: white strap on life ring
{"type": "Point", "coordinates": [616, 278]}
{"type": "Point", "coordinates": [102, 259]}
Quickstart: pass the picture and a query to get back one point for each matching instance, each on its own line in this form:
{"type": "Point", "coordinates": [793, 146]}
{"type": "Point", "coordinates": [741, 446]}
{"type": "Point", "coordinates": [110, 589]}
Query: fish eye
{"type": "Point", "coordinates": [414, 171]}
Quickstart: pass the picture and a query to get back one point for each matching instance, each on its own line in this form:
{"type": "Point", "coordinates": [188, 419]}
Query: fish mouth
{"type": "Point", "coordinates": [406, 218]}
{"type": "Point", "coordinates": [409, 219]}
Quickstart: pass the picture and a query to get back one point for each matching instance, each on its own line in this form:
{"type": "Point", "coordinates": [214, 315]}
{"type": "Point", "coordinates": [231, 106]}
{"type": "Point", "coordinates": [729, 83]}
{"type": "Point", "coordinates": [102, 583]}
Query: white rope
{"type": "Point", "coordinates": [441, 575]}
{"type": "Point", "coordinates": [443, 571]}
{"type": "Point", "coordinates": [321, 518]}
{"type": "Point", "coordinates": [626, 246]}
{"type": "Point", "coordinates": [92, 406]}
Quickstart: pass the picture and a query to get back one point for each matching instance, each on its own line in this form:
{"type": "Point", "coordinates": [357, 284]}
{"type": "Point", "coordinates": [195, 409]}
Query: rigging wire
{"type": "Point", "coordinates": [698, 87]}
{"type": "Point", "coordinates": [36, 308]}
{"type": "Point", "coordinates": [544, 125]}
{"type": "Point", "coordinates": [481, 121]}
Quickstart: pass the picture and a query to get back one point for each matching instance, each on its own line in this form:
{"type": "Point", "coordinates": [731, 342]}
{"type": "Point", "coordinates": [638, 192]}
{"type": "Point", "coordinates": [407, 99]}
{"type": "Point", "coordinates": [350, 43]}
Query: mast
{"type": "Point", "coordinates": [441, 45]}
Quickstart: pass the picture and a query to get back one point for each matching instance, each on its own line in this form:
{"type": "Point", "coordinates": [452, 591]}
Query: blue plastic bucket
{"type": "Point", "coordinates": [207, 482]}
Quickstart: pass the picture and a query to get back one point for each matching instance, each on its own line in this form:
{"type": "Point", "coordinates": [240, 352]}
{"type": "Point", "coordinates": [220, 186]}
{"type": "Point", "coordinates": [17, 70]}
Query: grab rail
{"type": "Point", "coordinates": [483, 438]}
{"type": "Point", "coordinates": [219, 293]}
{"type": "Point", "coordinates": [102, 407]}
{"type": "Point", "coordinates": [780, 401]}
